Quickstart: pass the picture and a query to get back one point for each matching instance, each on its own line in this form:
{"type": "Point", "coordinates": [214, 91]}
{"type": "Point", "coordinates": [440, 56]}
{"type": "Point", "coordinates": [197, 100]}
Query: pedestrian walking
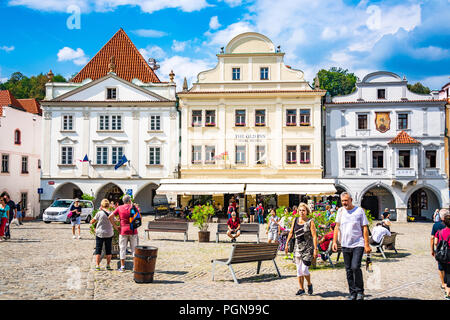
{"type": "Point", "coordinates": [4, 220]}
{"type": "Point", "coordinates": [12, 215]}
{"type": "Point", "coordinates": [352, 223]}
{"type": "Point", "coordinates": [437, 226]}
{"type": "Point", "coordinates": [126, 234]}
{"type": "Point", "coordinates": [75, 218]}
{"type": "Point", "coordinates": [103, 234]}
{"type": "Point", "coordinates": [304, 231]}
{"type": "Point", "coordinates": [273, 227]}
{"type": "Point", "coordinates": [442, 242]}
{"type": "Point", "coordinates": [260, 213]}
{"type": "Point", "coordinates": [20, 210]}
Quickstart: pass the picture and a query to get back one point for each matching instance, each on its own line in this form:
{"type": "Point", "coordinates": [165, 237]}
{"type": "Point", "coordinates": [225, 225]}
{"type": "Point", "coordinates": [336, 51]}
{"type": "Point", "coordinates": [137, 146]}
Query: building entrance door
{"type": "Point", "coordinates": [371, 203]}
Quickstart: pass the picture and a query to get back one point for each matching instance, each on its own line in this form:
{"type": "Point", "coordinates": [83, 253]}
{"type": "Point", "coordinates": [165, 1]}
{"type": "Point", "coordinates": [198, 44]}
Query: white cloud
{"type": "Point", "coordinates": [184, 67]}
{"type": "Point", "coordinates": [222, 37]}
{"type": "Point", "coordinates": [7, 49]}
{"type": "Point", "coordinates": [430, 53]}
{"type": "Point", "coordinates": [152, 52]}
{"type": "Point", "coordinates": [76, 56]}
{"type": "Point", "coordinates": [233, 3]}
{"type": "Point", "coordinates": [434, 82]}
{"type": "Point", "coordinates": [148, 6]}
{"type": "Point", "coordinates": [149, 33]}
{"type": "Point", "coordinates": [214, 23]}
{"type": "Point", "coordinates": [179, 46]}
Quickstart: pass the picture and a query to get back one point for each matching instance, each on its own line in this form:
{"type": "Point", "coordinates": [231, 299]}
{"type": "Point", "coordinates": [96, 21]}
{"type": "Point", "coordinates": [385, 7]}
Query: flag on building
{"type": "Point", "coordinates": [121, 162]}
{"type": "Point", "coordinates": [222, 156]}
{"type": "Point", "coordinates": [85, 159]}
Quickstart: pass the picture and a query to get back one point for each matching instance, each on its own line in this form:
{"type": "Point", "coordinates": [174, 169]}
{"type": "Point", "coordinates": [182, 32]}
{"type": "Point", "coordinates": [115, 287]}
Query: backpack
{"type": "Point", "coordinates": [442, 254]}
{"type": "Point", "coordinates": [135, 218]}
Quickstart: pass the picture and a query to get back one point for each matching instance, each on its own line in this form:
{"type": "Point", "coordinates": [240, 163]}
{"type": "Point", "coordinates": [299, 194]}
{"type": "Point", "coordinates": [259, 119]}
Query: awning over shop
{"type": "Point", "coordinates": [247, 186]}
{"type": "Point", "coordinates": [297, 188]}
{"type": "Point", "coordinates": [205, 187]}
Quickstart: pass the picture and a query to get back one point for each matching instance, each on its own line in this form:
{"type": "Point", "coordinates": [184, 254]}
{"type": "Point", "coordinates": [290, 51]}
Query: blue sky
{"type": "Point", "coordinates": [410, 38]}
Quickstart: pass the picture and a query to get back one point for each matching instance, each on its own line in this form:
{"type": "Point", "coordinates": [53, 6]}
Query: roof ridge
{"type": "Point", "coordinates": [403, 138]}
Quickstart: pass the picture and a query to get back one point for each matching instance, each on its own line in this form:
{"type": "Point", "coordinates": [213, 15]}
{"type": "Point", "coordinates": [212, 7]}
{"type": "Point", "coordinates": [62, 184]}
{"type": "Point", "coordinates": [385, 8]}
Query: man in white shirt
{"type": "Point", "coordinates": [377, 234]}
{"type": "Point", "coordinates": [352, 224]}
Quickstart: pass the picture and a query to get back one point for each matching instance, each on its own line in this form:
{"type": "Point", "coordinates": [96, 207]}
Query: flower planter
{"type": "Point", "coordinates": [203, 236]}
{"type": "Point", "coordinates": [245, 220]}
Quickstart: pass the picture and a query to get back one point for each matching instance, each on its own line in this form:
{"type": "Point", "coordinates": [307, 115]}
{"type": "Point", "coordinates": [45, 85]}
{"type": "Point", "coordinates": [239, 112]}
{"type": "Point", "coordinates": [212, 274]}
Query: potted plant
{"type": "Point", "coordinates": [201, 215]}
{"type": "Point", "coordinates": [245, 218]}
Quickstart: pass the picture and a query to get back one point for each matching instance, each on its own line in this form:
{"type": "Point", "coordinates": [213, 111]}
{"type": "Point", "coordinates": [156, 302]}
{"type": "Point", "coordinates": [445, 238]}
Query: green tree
{"type": "Point", "coordinates": [418, 88]}
{"type": "Point", "coordinates": [23, 87]}
{"type": "Point", "coordinates": [337, 81]}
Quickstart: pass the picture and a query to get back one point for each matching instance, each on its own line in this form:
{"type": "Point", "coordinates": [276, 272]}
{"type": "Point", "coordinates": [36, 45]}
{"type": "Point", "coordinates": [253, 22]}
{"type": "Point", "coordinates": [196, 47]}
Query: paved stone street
{"type": "Point", "coordinates": [42, 261]}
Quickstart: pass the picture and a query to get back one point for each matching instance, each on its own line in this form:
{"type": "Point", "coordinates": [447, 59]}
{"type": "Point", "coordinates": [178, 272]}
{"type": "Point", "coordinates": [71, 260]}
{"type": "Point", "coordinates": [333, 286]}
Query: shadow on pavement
{"type": "Point", "coordinates": [22, 240]}
{"type": "Point", "coordinates": [332, 294]}
{"type": "Point", "coordinates": [179, 273]}
{"type": "Point", "coordinates": [262, 278]}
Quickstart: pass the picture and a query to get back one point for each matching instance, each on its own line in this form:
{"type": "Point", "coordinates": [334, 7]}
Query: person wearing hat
{"type": "Point", "coordinates": [75, 218]}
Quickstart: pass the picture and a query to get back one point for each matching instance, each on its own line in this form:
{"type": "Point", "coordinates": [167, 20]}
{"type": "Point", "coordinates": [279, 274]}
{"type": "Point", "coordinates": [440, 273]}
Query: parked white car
{"type": "Point", "coordinates": [60, 208]}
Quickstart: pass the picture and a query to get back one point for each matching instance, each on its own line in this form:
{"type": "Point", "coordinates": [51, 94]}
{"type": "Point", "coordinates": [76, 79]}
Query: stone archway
{"type": "Point", "coordinates": [422, 203]}
{"type": "Point", "coordinates": [144, 197]}
{"type": "Point", "coordinates": [110, 191]}
{"type": "Point", "coordinates": [67, 190]}
{"type": "Point", "coordinates": [376, 199]}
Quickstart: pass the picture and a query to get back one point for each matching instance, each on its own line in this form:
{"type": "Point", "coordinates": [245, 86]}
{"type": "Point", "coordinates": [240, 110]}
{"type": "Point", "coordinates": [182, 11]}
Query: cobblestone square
{"type": "Point", "coordinates": [42, 261]}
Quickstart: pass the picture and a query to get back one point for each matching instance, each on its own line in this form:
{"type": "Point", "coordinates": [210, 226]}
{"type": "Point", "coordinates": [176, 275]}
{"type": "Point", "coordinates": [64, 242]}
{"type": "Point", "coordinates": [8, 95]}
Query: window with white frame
{"type": "Point", "coordinates": [5, 163]}
{"type": "Point", "coordinates": [291, 117]}
{"type": "Point", "coordinates": [102, 155]}
{"type": "Point", "coordinates": [240, 155]}
{"type": "Point", "coordinates": [66, 155]}
{"type": "Point", "coordinates": [111, 93]}
{"type": "Point", "coordinates": [155, 155]}
{"type": "Point", "coordinates": [210, 118]}
{"type": "Point", "coordinates": [404, 158]}
{"type": "Point", "coordinates": [305, 117]}
{"type": "Point", "coordinates": [196, 118]}
{"type": "Point", "coordinates": [110, 122]}
{"type": "Point", "coordinates": [196, 154]}
{"type": "Point", "coordinates": [236, 73]}
{"type": "Point", "coordinates": [402, 121]}
{"type": "Point", "coordinates": [155, 123]}
{"type": "Point", "coordinates": [24, 164]}
{"type": "Point", "coordinates": [362, 122]}
{"type": "Point", "coordinates": [264, 73]}
{"type": "Point", "coordinates": [305, 154]}
{"type": "Point", "coordinates": [260, 154]}
{"type": "Point", "coordinates": [291, 154]}
{"type": "Point", "coordinates": [67, 122]}
{"type": "Point", "coordinates": [24, 200]}
{"type": "Point", "coordinates": [260, 118]}
{"type": "Point", "coordinates": [240, 118]}
{"type": "Point", "coordinates": [116, 154]}
{"type": "Point", "coordinates": [210, 153]}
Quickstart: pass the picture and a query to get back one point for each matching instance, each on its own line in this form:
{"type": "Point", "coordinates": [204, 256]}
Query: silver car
{"type": "Point", "coordinates": [60, 208]}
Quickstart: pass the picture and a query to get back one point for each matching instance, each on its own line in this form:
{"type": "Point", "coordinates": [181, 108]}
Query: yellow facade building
{"type": "Point", "coordinates": [250, 126]}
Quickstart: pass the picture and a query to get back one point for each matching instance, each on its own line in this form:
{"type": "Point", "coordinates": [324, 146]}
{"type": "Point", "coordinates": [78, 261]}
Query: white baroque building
{"type": "Point", "coordinates": [115, 106]}
{"type": "Point", "coordinates": [385, 145]}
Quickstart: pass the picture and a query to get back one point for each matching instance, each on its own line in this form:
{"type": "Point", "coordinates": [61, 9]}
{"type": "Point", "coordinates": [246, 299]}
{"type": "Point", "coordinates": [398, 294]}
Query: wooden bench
{"type": "Point", "coordinates": [246, 228]}
{"type": "Point", "coordinates": [167, 226]}
{"type": "Point", "coordinates": [249, 252]}
{"type": "Point", "coordinates": [386, 242]}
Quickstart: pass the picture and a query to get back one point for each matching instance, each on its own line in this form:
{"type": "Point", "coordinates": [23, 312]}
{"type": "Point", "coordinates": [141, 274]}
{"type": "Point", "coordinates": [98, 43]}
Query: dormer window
{"type": "Point", "coordinates": [381, 93]}
{"type": "Point", "coordinates": [236, 74]}
{"type": "Point", "coordinates": [111, 93]}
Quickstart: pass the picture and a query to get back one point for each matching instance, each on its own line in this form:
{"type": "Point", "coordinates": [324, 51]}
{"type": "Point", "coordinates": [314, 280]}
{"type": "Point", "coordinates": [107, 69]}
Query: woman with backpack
{"type": "Point", "coordinates": [103, 234]}
{"type": "Point", "coordinates": [442, 253]}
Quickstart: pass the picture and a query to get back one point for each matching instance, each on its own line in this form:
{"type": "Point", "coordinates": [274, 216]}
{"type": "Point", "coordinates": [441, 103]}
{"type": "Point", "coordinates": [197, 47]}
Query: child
{"type": "Point", "coordinates": [273, 227]}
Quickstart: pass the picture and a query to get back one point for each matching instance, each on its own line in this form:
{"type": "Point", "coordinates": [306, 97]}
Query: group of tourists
{"type": "Point", "coordinates": [105, 222]}
{"type": "Point", "coordinates": [440, 243]}
{"type": "Point", "coordinates": [8, 212]}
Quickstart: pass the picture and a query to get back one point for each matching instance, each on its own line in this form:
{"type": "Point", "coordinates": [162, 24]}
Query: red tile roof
{"type": "Point", "coordinates": [31, 105]}
{"type": "Point", "coordinates": [128, 60]}
{"type": "Point", "coordinates": [28, 105]}
{"type": "Point", "coordinates": [403, 138]}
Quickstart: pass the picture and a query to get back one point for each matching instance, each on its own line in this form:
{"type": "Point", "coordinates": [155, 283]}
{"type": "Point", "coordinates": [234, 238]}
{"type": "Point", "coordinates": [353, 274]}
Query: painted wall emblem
{"type": "Point", "coordinates": [382, 121]}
